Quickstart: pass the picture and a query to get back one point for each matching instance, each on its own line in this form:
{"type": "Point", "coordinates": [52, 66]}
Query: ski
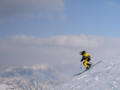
{"type": "Point", "coordinates": [86, 70]}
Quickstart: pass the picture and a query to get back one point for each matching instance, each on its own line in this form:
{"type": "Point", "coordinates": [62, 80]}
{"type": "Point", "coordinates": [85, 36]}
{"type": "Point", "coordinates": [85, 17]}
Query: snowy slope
{"type": "Point", "coordinates": [6, 87]}
{"type": "Point", "coordinates": [104, 76]}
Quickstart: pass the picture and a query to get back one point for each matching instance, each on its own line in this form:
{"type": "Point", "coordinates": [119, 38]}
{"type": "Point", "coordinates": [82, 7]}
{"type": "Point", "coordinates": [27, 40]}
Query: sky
{"type": "Point", "coordinates": [55, 31]}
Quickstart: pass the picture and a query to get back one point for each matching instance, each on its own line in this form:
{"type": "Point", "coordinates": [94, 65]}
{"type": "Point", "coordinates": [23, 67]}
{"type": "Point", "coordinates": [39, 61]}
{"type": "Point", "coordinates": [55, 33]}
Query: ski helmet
{"type": "Point", "coordinates": [82, 52]}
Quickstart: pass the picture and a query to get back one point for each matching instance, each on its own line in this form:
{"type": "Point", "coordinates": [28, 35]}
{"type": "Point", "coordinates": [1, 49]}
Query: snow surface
{"type": "Point", "coordinates": [104, 76]}
{"type": "Point", "coordinates": [6, 87]}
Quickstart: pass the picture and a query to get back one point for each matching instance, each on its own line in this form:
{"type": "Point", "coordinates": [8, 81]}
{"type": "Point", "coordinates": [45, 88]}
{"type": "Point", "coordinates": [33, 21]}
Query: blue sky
{"type": "Point", "coordinates": [55, 31]}
{"type": "Point", "coordinates": [93, 17]}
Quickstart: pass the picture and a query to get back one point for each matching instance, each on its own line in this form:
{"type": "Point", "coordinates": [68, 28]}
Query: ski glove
{"type": "Point", "coordinates": [83, 58]}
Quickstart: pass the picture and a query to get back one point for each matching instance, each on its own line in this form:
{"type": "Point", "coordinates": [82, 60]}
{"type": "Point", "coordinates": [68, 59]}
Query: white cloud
{"type": "Point", "coordinates": [22, 50]}
{"type": "Point", "coordinates": [66, 40]}
{"type": "Point", "coordinates": [111, 4]}
{"type": "Point", "coordinates": [28, 8]}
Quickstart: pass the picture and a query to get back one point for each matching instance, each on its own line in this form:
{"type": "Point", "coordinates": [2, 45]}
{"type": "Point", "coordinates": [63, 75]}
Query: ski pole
{"type": "Point", "coordinates": [81, 66]}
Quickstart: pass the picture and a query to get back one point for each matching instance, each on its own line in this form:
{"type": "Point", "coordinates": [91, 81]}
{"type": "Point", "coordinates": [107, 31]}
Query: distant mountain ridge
{"type": "Point", "coordinates": [38, 77]}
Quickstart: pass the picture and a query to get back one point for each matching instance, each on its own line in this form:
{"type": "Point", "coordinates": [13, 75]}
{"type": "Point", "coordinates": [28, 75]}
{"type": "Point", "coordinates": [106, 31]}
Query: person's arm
{"type": "Point", "coordinates": [83, 58]}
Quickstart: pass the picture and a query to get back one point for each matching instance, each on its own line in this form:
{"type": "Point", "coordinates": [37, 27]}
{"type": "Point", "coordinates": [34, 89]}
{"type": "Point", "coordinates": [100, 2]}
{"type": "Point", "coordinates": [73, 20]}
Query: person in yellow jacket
{"type": "Point", "coordinates": [87, 58]}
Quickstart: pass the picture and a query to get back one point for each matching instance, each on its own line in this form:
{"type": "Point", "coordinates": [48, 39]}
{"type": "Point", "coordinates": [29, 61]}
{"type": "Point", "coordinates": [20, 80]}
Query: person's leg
{"type": "Point", "coordinates": [88, 63]}
{"type": "Point", "coordinates": [85, 63]}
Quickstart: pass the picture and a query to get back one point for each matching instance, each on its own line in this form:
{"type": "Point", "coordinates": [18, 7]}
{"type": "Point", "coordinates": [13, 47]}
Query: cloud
{"type": "Point", "coordinates": [22, 50]}
{"type": "Point", "coordinates": [65, 41]}
{"type": "Point", "coordinates": [28, 8]}
{"type": "Point", "coordinates": [111, 4]}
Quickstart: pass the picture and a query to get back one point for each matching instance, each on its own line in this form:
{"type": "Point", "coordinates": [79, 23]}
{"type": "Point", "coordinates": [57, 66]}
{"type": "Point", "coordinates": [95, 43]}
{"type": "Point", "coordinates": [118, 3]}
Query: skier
{"type": "Point", "coordinates": [87, 58]}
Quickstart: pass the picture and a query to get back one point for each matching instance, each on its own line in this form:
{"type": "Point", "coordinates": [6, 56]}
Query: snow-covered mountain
{"type": "Point", "coordinates": [104, 76]}
{"type": "Point", "coordinates": [6, 87]}
{"type": "Point", "coordinates": [38, 77]}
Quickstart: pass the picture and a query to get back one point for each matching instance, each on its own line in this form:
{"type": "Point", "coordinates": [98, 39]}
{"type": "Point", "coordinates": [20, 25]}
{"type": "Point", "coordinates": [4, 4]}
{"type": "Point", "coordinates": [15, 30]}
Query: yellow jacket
{"type": "Point", "coordinates": [85, 55]}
